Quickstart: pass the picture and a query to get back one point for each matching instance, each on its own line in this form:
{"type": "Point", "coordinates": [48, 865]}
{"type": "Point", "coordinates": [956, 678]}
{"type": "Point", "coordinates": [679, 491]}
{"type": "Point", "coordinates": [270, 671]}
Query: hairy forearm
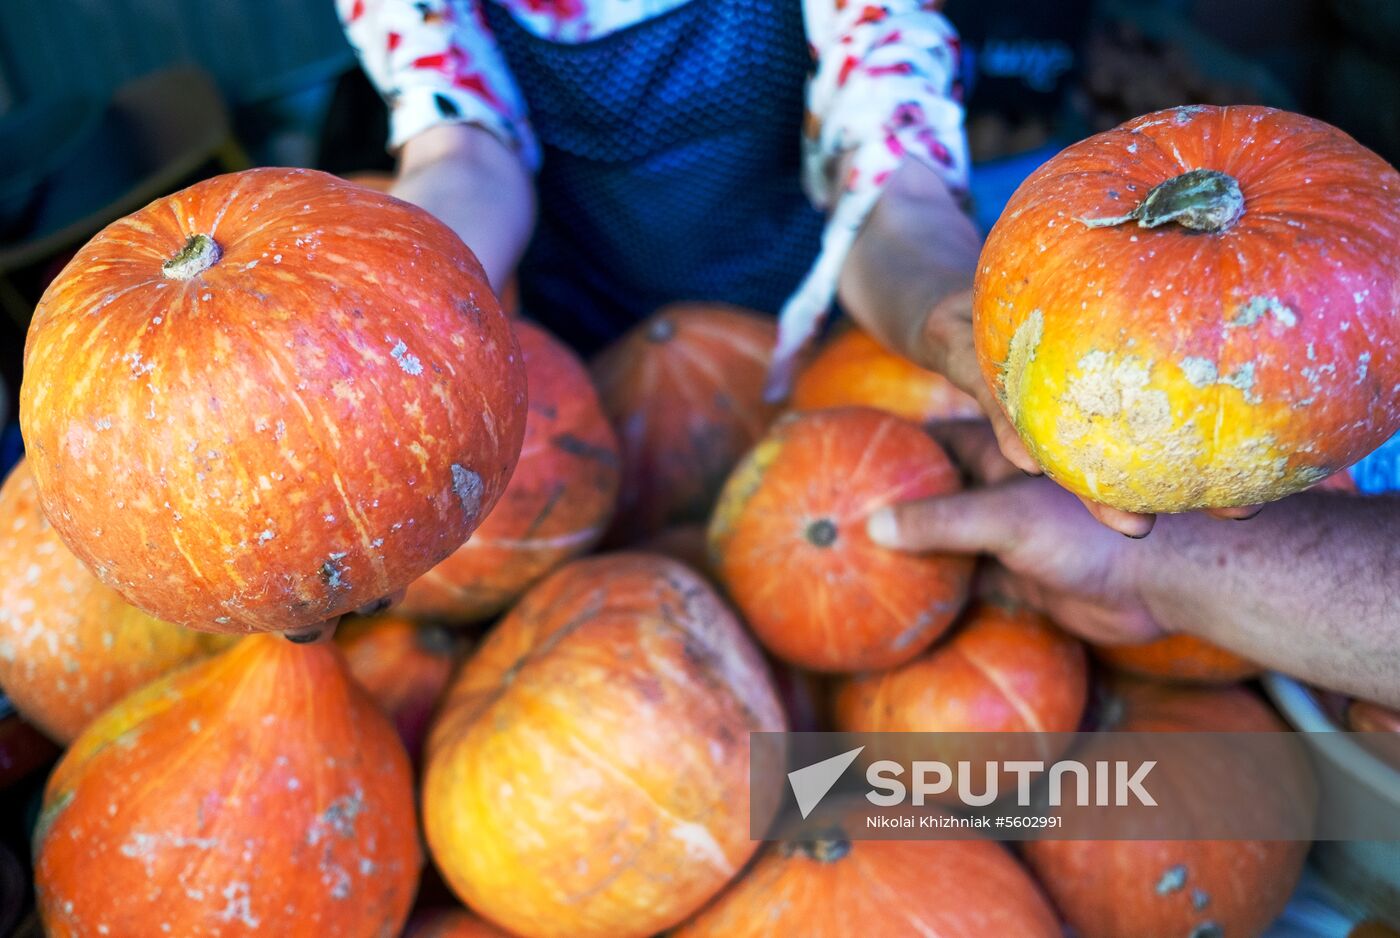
{"type": "Point", "coordinates": [1310, 587]}
{"type": "Point", "coordinates": [477, 186]}
{"type": "Point", "coordinates": [916, 248]}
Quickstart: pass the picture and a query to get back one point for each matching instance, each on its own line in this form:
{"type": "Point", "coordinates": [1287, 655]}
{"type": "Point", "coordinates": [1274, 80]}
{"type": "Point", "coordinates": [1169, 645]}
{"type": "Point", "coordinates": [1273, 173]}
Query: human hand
{"type": "Point", "coordinates": [945, 345]}
{"type": "Point", "coordinates": [1049, 554]}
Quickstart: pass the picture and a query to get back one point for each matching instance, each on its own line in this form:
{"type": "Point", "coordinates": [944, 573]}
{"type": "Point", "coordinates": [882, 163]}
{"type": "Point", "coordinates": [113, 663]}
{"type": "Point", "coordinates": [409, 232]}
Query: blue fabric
{"type": "Point", "coordinates": [1379, 472]}
{"type": "Point", "coordinates": [671, 164]}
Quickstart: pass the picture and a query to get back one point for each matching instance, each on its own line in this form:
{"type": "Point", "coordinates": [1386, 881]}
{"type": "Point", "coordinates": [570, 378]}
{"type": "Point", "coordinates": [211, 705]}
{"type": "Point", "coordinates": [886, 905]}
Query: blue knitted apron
{"type": "Point", "coordinates": [671, 164]}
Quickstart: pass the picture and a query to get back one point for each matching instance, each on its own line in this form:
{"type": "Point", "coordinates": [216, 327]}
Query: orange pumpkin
{"type": "Point", "coordinates": [1179, 658]}
{"type": "Point", "coordinates": [1152, 888]}
{"type": "Point", "coordinates": [451, 923]}
{"type": "Point", "coordinates": [684, 390]}
{"type": "Point", "coordinates": [1004, 670]}
{"type": "Point", "coordinates": [269, 399]}
{"type": "Point", "coordinates": [788, 541]}
{"type": "Point", "coordinates": [838, 887]}
{"type": "Point", "coordinates": [556, 505]}
{"type": "Point", "coordinates": [404, 666]}
{"type": "Point", "coordinates": [1197, 309]}
{"type": "Point", "coordinates": [588, 772]}
{"type": "Point", "coordinates": [257, 793]}
{"type": "Point", "coordinates": [854, 369]}
{"type": "Point", "coordinates": [69, 646]}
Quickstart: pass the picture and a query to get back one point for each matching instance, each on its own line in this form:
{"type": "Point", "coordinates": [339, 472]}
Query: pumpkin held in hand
{"type": "Point", "coordinates": [1170, 888]}
{"type": "Point", "coordinates": [1179, 658]}
{"type": "Point", "coordinates": [257, 793]}
{"type": "Point", "coordinates": [837, 887]}
{"type": "Point", "coordinates": [556, 505]}
{"type": "Point", "coordinates": [69, 646]}
{"type": "Point", "coordinates": [269, 399]}
{"type": "Point", "coordinates": [855, 370]}
{"type": "Point", "coordinates": [1197, 309]}
{"type": "Point", "coordinates": [588, 770]}
{"type": "Point", "coordinates": [788, 541]}
{"type": "Point", "coordinates": [685, 393]}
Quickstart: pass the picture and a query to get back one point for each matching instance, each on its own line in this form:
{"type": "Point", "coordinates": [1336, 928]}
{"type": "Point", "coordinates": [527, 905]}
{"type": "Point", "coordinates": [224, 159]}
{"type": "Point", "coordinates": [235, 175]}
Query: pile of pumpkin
{"type": "Point", "coordinates": [244, 415]}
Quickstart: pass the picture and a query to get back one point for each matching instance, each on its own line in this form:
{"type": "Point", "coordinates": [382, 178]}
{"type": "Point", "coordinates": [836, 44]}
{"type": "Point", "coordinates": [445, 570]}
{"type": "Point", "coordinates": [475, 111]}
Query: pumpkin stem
{"type": "Point", "coordinates": [199, 254]}
{"type": "Point", "coordinates": [828, 847]}
{"type": "Point", "coordinates": [822, 532]}
{"type": "Point", "coordinates": [1200, 200]}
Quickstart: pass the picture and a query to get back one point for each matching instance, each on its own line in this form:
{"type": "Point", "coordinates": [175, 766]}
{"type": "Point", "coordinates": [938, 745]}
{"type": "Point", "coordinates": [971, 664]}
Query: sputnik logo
{"type": "Point", "coordinates": [811, 783]}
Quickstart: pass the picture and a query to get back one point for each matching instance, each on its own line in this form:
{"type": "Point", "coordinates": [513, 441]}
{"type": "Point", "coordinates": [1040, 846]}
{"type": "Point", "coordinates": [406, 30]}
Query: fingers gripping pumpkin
{"type": "Point", "coordinates": [269, 399]}
{"type": "Point", "coordinates": [1197, 309]}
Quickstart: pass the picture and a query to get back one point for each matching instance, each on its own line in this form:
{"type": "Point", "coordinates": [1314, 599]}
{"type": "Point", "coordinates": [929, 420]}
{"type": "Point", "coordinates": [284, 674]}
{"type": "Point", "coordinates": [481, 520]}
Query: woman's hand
{"type": "Point", "coordinates": [477, 186]}
{"type": "Point", "coordinates": [1049, 554]}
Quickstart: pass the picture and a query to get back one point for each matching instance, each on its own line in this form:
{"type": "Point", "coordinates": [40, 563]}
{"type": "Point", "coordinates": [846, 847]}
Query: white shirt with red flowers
{"type": "Point", "coordinates": [884, 88]}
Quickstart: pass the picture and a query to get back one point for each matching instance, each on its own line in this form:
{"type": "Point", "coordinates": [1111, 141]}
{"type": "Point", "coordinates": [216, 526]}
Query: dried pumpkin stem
{"type": "Point", "coordinates": [199, 254]}
{"type": "Point", "coordinates": [1200, 200]}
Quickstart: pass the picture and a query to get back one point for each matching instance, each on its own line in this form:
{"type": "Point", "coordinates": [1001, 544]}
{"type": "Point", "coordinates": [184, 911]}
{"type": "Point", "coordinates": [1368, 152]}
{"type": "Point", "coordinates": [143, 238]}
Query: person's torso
{"type": "Point", "coordinates": [671, 163]}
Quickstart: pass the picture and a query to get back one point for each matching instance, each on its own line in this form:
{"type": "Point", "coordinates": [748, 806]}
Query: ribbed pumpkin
{"type": "Point", "coordinates": [1167, 889]}
{"type": "Point", "coordinates": [451, 923]}
{"type": "Point", "coordinates": [839, 888]}
{"type": "Point", "coordinates": [404, 667]}
{"type": "Point", "coordinates": [1179, 658]}
{"type": "Point", "coordinates": [788, 541]}
{"type": "Point", "coordinates": [257, 793]}
{"type": "Point", "coordinates": [69, 646]}
{"type": "Point", "coordinates": [854, 369]}
{"type": "Point", "coordinates": [269, 399]}
{"type": "Point", "coordinates": [1197, 309]}
{"type": "Point", "coordinates": [556, 505]}
{"type": "Point", "coordinates": [1005, 670]}
{"type": "Point", "coordinates": [383, 182]}
{"type": "Point", "coordinates": [588, 772]}
{"type": "Point", "coordinates": [684, 390]}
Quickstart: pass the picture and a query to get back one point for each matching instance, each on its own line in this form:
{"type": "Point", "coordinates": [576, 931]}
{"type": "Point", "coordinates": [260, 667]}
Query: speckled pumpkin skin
{"type": "Point", "coordinates": [556, 506]}
{"type": "Point", "coordinates": [1164, 369]}
{"type": "Point", "coordinates": [305, 426]}
{"type": "Point", "coordinates": [1164, 888]}
{"type": "Point", "coordinates": [258, 793]}
{"type": "Point", "coordinates": [588, 771]}
{"type": "Point", "coordinates": [69, 646]}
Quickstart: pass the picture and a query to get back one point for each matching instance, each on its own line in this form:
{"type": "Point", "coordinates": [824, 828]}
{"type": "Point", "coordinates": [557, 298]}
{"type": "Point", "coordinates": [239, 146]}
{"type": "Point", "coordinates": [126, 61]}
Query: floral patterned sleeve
{"type": "Point", "coordinates": [436, 62]}
{"type": "Point", "coordinates": [885, 90]}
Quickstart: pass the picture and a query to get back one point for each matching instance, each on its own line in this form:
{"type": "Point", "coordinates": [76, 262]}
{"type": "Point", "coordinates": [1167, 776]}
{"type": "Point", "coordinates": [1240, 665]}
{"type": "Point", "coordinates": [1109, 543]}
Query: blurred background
{"type": "Point", "coordinates": [107, 104]}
